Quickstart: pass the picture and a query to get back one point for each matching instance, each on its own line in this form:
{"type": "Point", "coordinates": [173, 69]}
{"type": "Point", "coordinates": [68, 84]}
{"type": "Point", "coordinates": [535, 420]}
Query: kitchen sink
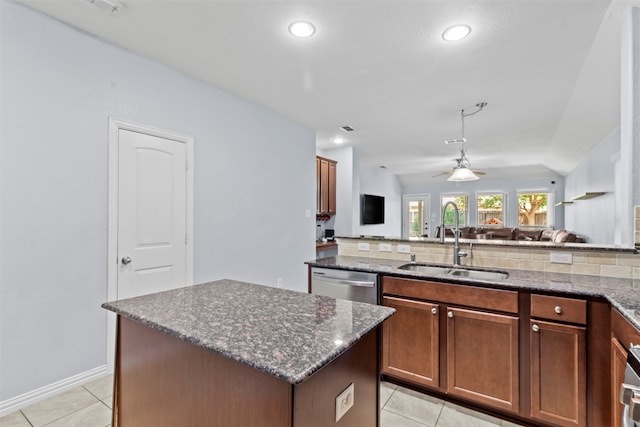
{"type": "Point", "coordinates": [469, 273]}
{"type": "Point", "coordinates": [478, 274]}
{"type": "Point", "coordinates": [426, 268]}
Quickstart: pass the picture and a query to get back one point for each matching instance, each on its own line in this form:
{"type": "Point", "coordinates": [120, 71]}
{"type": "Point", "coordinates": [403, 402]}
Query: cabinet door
{"type": "Point", "coordinates": [331, 200]}
{"type": "Point", "coordinates": [482, 357]}
{"type": "Point", "coordinates": [558, 373]}
{"type": "Point", "coordinates": [618, 366]}
{"type": "Point", "coordinates": [410, 349]}
{"type": "Point", "coordinates": [324, 186]}
{"type": "Point", "coordinates": [318, 187]}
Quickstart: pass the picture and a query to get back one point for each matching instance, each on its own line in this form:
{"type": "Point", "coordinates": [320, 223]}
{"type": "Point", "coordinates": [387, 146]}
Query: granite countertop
{"type": "Point", "coordinates": [623, 294]}
{"type": "Point", "coordinates": [497, 242]}
{"type": "Point", "coordinates": [284, 333]}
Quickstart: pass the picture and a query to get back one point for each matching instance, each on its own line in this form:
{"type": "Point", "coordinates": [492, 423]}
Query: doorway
{"type": "Point", "coordinates": [415, 217]}
{"type": "Point", "coordinates": [150, 224]}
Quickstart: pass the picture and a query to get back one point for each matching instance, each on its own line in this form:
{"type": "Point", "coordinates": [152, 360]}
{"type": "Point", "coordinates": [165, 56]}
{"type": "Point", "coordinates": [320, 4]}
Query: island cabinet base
{"type": "Point", "coordinates": [161, 380]}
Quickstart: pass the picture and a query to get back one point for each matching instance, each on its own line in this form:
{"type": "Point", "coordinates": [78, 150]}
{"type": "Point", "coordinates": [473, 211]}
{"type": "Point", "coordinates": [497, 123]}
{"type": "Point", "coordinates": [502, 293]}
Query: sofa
{"type": "Point", "coordinates": [506, 233]}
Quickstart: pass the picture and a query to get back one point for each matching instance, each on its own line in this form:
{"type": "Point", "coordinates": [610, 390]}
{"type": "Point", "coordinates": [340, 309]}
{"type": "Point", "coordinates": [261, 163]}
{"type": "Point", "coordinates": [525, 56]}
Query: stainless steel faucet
{"type": "Point", "coordinates": [457, 253]}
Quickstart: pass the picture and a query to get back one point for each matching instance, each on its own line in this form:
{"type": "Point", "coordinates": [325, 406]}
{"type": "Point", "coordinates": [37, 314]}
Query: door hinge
{"type": "Point", "coordinates": [186, 239]}
{"type": "Point", "coordinates": [186, 166]}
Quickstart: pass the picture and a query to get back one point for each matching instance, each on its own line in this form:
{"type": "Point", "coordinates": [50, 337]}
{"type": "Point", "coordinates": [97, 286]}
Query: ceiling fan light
{"type": "Point", "coordinates": [462, 174]}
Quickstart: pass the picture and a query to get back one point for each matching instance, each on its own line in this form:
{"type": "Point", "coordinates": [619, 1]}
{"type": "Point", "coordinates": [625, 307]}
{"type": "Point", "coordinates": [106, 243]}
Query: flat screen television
{"type": "Point", "coordinates": [372, 209]}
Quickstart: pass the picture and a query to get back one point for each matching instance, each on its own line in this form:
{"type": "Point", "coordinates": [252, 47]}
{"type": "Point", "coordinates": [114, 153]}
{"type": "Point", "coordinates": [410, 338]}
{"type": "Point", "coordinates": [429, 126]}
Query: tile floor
{"type": "Point", "coordinates": [90, 406]}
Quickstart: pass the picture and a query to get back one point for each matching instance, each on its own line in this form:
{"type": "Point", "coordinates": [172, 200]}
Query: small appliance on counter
{"type": "Point", "coordinates": [329, 235]}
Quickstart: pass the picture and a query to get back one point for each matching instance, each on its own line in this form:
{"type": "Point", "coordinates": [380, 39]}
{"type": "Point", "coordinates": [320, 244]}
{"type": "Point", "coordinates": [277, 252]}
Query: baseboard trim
{"type": "Point", "coordinates": [42, 393]}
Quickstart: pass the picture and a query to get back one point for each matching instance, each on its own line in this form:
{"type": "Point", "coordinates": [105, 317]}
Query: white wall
{"type": "Point", "coordinates": [596, 218]}
{"type": "Point", "coordinates": [354, 178]}
{"type": "Point", "coordinates": [483, 185]}
{"type": "Point", "coordinates": [380, 182]}
{"type": "Point", "coordinates": [254, 181]}
{"type": "Point", "coordinates": [629, 126]}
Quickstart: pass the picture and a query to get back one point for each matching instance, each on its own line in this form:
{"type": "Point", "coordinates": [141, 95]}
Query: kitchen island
{"type": "Point", "coordinates": [229, 353]}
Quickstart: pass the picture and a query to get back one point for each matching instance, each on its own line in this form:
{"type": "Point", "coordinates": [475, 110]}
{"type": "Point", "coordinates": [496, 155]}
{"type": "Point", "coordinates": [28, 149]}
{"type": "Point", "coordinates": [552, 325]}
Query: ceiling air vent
{"type": "Point", "coordinates": [347, 128]}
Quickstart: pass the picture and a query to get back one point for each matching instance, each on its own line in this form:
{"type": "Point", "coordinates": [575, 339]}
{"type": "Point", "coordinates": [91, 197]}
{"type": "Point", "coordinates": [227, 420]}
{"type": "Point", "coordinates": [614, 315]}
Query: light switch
{"type": "Point", "coordinates": [561, 257]}
{"type": "Point", "coordinates": [404, 249]}
{"type": "Point", "coordinates": [384, 247]}
{"type": "Point", "coordinates": [345, 401]}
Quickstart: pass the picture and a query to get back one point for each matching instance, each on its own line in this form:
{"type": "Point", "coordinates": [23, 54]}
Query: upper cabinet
{"type": "Point", "coordinates": [325, 186]}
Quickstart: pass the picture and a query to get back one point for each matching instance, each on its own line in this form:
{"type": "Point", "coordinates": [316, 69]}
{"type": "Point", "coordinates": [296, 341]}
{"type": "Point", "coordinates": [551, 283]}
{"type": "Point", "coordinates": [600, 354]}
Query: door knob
{"type": "Point", "coordinates": [126, 260]}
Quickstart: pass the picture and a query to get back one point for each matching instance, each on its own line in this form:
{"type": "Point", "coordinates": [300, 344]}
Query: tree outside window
{"type": "Point", "coordinates": [532, 209]}
{"type": "Point", "coordinates": [449, 216]}
{"type": "Point", "coordinates": [490, 209]}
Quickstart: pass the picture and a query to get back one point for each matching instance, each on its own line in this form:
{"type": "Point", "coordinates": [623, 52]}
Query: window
{"type": "Point", "coordinates": [461, 201]}
{"type": "Point", "coordinates": [532, 209]}
{"type": "Point", "coordinates": [491, 209]}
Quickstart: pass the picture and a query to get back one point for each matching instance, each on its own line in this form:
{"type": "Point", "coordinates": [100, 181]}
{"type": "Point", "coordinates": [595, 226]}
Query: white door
{"type": "Point", "coordinates": [151, 214]}
{"type": "Point", "coordinates": [415, 219]}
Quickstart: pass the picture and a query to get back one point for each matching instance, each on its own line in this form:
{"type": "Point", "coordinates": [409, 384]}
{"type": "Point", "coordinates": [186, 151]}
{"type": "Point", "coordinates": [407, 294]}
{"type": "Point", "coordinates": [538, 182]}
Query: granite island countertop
{"type": "Point", "coordinates": [284, 333]}
{"type": "Point", "coordinates": [623, 294]}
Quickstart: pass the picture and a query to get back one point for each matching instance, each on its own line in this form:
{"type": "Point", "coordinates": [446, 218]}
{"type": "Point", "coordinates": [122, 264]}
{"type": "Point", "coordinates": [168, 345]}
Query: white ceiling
{"type": "Point", "coordinates": [549, 70]}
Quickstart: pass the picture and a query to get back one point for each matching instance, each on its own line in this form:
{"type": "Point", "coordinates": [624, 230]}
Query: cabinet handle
{"type": "Point", "coordinates": [535, 328]}
{"type": "Point", "coordinates": [558, 309]}
{"type": "Point", "coordinates": [434, 310]}
{"type": "Point", "coordinates": [450, 315]}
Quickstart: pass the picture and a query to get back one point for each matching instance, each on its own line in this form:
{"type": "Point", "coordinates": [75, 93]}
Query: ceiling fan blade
{"type": "Point", "coordinates": [440, 174]}
{"type": "Point", "coordinates": [478, 172]}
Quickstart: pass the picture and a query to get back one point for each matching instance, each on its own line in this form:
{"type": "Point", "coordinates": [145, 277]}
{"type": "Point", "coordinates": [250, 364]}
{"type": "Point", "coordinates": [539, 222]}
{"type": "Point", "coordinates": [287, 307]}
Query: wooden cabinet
{"type": "Point", "coordinates": [558, 361]}
{"type": "Point", "coordinates": [618, 366]}
{"type": "Point", "coordinates": [476, 342]}
{"type": "Point", "coordinates": [326, 186]}
{"type": "Point", "coordinates": [623, 336]}
{"type": "Point", "coordinates": [558, 373]}
{"type": "Point", "coordinates": [482, 357]}
{"type": "Point", "coordinates": [410, 341]}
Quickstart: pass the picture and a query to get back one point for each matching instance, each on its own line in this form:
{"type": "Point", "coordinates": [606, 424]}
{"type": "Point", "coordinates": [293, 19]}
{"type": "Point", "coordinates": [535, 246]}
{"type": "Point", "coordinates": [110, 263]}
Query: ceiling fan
{"type": "Point", "coordinates": [462, 163]}
{"type": "Point", "coordinates": [462, 171]}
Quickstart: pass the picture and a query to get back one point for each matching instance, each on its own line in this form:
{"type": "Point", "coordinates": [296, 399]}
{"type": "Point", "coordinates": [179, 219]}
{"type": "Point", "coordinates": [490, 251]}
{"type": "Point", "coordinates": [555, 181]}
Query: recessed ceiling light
{"type": "Point", "coordinates": [456, 32]}
{"type": "Point", "coordinates": [338, 140]}
{"type": "Point", "coordinates": [302, 29]}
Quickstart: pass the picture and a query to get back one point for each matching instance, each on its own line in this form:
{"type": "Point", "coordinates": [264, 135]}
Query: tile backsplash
{"type": "Point", "coordinates": [590, 262]}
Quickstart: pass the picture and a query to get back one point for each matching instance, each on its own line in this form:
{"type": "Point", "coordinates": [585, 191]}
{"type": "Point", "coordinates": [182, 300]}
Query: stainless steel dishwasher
{"type": "Point", "coordinates": [345, 284]}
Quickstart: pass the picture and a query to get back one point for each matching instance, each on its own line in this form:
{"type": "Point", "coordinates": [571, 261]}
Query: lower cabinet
{"type": "Point", "coordinates": [410, 341]}
{"type": "Point", "coordinates": [467, 352]}
{"type": "Point", "coordinates": [618, 366]}
{"type": "Point", "coordinates": [482, 357]}
{"type": "Point", "coordinates": [517, 353]}
{"type": "Point", "coordinates": [623, 336]}
{"type": "Point", "coordinates": [558, 373]}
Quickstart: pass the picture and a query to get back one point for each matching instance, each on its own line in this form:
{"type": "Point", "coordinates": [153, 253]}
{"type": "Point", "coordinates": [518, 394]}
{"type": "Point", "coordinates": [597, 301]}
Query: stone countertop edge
{"type": "Point", "coordinates": [623, 294]}
{"type": "Point", "coordinates": [299, 333]}
{"type": "Point", "coordinates": [502, 243]}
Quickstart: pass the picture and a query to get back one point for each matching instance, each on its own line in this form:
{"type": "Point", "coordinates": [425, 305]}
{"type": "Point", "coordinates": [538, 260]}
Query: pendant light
{"type": "Point", "coordinates": [462, 171]}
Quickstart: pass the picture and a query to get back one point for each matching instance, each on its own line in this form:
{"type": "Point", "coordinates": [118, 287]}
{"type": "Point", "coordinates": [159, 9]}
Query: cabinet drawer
{"type": "Point", "coordinates": [466, 295]}
{"type": "Point", "coordinates": [559, 309]}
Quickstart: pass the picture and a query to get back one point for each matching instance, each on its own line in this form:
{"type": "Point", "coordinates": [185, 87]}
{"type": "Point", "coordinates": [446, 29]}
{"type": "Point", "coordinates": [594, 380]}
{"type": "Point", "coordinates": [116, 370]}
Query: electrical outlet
{"type": "Point", "coordinates": [384, 247]}
{"type": "Point", "coordinates": [279, 282]}
{"type": "Point", "coordinates": [404, 249]}
{"type": "Point", "coordinates": [345, 401]}
{"type": "Point", "coordinates": [562, 257]}
{"type": "Point", "coordinates": [363, 246]}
